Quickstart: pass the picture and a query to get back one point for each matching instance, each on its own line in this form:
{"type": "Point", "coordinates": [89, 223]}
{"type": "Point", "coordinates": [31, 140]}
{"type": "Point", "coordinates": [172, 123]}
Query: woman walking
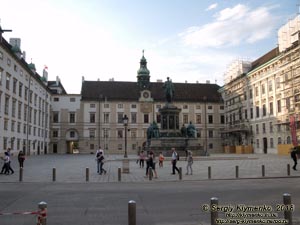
{"type": "Point", "coordinates": [190, 162]}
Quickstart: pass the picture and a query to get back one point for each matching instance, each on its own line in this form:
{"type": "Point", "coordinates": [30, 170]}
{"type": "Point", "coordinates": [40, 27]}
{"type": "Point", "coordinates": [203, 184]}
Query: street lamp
{"type": "Point", "coordinates": [125, 122]}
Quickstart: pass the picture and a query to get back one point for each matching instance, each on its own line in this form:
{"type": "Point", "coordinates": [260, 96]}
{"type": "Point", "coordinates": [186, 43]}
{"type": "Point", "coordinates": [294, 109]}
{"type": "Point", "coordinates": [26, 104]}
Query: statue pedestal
{"type": "Point", "coordinates": [164, 145]}
{"type": "Point", "coordinates": [125, 165]}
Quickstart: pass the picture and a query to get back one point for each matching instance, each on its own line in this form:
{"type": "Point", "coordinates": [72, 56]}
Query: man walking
{"type": "Point", "coordinates": [98, 153]}
{"type": "Point", "coordinates": [174, 161]}
{"type": "Point", "coordinates": [294, 157]}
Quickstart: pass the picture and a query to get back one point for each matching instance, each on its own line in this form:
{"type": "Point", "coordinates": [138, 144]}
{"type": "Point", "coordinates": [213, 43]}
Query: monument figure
{"type": "Point", "coordinates": [191, 130]}
{"type": "Point", "coordinates": [169, 90]}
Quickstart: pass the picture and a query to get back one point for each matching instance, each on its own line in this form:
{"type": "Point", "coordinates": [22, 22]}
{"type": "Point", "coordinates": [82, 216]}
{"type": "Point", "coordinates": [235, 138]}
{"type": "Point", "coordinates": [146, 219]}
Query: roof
{"type": "Point", "coordinates": [265, 58]}
{"type": "Point", "coordinates": [129, 91]}
{"type": "Point", "coordinates": [53, 84]}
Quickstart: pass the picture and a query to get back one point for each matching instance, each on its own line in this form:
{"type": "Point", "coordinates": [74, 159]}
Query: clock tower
{"type": "Point", "coordinates": [143, 77]}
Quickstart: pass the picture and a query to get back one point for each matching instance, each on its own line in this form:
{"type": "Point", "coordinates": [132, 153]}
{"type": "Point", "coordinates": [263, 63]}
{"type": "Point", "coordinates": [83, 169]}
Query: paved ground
{"type": "Point", "coordinates": [162, 201]}
{"type": "Point", "coordinates": [72, 168]}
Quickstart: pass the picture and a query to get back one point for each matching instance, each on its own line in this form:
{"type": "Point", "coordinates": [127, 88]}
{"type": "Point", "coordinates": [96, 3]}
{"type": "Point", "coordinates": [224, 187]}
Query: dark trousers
{"type": "Point", "coordinates": [6, 168]}
{"type": "Point", "coordinates": [174, 167]}
{"type": "Point", "coordinates": [101, 168]}
{"type": "Point", "coordinates": [21, 163]}
{"type": "Point", "coordinates": [295, 162]}
{"type": "Point", "coordinates": [142, 163]}
{"type": "Point", "coordinates": [98, 166]}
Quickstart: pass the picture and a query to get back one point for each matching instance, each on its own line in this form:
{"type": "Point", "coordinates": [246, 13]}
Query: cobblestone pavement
{"type": "Point", "coordinates": [72, 168]}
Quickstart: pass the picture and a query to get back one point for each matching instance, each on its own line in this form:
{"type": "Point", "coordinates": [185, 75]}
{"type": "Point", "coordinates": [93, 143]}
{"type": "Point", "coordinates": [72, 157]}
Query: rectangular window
{"type": "Point", "coordinates": [106, 106]}
{"type": "Point", "coordinates": [257, 128]}
{"type": "Point", "coordinates": [92, 118]}
{"type": "Point", "coordinates": [20, 89]}
{"type": "Point", "coordinates": [120, 117]}
{"type": "Point", "coordinates": [146, 118]}
{"type": "Point", "coordinates": [257, 143]}
{"type": "Point", "coordinates": [120, 106]}
{"type": "Point", "coordinates": [221, 107]}
{"type": "Point", "coordinates": [5, 124]}
{"type": "Point", "coordinates": [106, 117]}
{"type": "Point", "coordinates": [210, 133]}
{"type": "Point", "coordinates": [133, 117]}
{"type": "Point", "coordinates": [270, 86]}
{"type": "Point", "coordinates": [133, 106]}
{"type": "Point", "coordinates": [222, 119]}
{"type": "Point", "coordinates": [271, 127]}
{"type": "Point", "coordinates": [106, 133]}
{"type": "Point", "coordinates": [92, 105]}
{"type": "Point", "coordinates": [251, 93]}
{"type": "Point", "coordinates": [210, 119]}
{"type": "Point", "coordinates": [185, 118]}
{"type": "Point", "coordinates": [72, 117]}
{"type": "Point", "coordinates": [256, 92]}
{"type": "Point", "coordinates": [264, 110]}
{"type": "Point", "coordinates": [158, 118]}
{"type": "Point", "coordinates": [251, 113]}
{"type": "Point", "coordinates": [264, 128]}
{"type": "Point", "coordinates": [209, 107]}
{"type": "Point", "coordinates": [92, 133]}
{"type": "Point", "coordinates": [7, 81]}
{"type": "Point", "coordinates": [72, 99]}
{"type": "Point", "coordinates": [15, 81]}
{"type": "Point", "coordinates": [120, 133]}
{"type": "Point", "coordinates": [55, 134]}
{"type": "Point", "coordinates": [185, 106]}
{"type": "Point", "coordinates": [279, 106]}
{"type": "Point", "coordinates": [6, 104]}
{"type": "Point", "coordinates": [271, 108]}
{"type": "Point", "coordinates": [55, 117]}
{"type": "Point", "coordinates": [198, 118]}
{"type": "Point", "coordinates": [263, 89]}
{"type": "Point", "coordinates": [257, 112]}
{"type": "Point", "coordinates": [133, 133]}
{"type": "Point", "coordinates": [56, 99]}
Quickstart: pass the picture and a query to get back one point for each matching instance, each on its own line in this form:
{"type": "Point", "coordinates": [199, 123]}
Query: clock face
{"type": "Point", "coordinates": [145, 94]}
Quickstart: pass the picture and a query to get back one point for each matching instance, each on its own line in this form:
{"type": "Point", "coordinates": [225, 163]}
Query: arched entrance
{"type": "Point", "coordinates": [72, 138]}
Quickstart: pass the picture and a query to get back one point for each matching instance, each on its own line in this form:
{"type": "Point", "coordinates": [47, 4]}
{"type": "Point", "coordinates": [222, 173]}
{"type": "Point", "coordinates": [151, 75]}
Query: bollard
{"type": "Point", "coordinates": [42, 216]}
{"type": "Point", "coordinates": [236, 171]}
{"type": "Point", "coordinates": [180, 173]}
{"type": "Point", "coordinates": [288, 208]}
{"type": "Point", "coordinates": [87, 174]}
{"type": "Point", "coordinates": [131, 212]}
{"type": "Point", "coordinates": [288, 170]}
{"type": "Point", "coordinates": [213, 214]}
{"type": "Point", "coordinates": [54, 174]}
{"type": "Point", "coordinates": [119, 174]}
{"type": "Point", "coordinates": [263, 170]}
{"type": "Point", "coordinates": [150, 173]}
{"type": "Point", "coordinates": [209, 172]}
{"type": "Point", "coordinates": [21, 174]}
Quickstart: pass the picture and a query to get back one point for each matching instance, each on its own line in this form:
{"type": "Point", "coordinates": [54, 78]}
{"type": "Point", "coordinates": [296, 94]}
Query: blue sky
{"type": "Point", "coordinates": [187, 40]}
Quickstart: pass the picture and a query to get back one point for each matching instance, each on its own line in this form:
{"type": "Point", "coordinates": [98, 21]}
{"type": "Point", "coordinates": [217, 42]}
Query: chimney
{"type": "Point", "coordinates": [57, 80]}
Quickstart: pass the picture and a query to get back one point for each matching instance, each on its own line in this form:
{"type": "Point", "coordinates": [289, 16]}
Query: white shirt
{"type": "Point", "coordinates": [174, 155]}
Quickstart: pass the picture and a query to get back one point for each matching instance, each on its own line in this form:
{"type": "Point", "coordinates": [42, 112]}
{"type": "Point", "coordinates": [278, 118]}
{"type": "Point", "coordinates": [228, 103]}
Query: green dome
{"type": "Point", "coordinates": [31, 66]}
{"type": "Point", "coordinates": [143, 70]}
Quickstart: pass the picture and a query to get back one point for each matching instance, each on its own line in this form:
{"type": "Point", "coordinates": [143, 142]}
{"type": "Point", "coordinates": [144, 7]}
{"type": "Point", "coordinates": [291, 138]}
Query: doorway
{"type": "Point", "coordinates": [265, 145]}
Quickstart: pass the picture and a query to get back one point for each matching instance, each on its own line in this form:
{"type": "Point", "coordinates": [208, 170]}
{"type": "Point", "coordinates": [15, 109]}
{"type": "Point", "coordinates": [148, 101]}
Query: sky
{"type": "Point", "coordinates": [186, 40]}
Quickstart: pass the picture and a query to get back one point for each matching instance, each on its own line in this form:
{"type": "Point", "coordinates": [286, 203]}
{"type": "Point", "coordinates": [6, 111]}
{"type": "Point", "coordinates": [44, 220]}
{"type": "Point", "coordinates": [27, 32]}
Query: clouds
{"type": "Point", "coordinates": [212, 6]}
{"type": "Point", "coordinates": [231, 27]}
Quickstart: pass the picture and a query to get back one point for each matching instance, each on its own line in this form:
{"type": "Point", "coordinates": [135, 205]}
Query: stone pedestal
{"type": "Point", "coordinates": [125, 165]}
{"type": "Point", "coordinates": [169, 121]}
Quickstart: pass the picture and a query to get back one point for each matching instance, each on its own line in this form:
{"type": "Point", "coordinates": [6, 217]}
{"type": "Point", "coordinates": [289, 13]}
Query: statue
{"type": "Point", "coordinates": [169, 90]}
{"type": "Point", "coordinates": [155, 130]}
{"type": "Point", "coordinates": [191, 130]}
{"type": "Point", "coordinates": [152, 132]}
{"type": "Point", "coordinates": [183, 131]}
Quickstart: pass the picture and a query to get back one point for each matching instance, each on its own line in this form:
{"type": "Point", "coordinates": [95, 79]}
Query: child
{"type": "Point", "coordinates": [161, 160]}
{"type": "Point", "coordinates": [190, 162]}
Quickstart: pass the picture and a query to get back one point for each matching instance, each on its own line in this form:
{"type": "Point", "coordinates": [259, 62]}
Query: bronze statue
{"type": "Point", "coordinates": [191, 130]}
{"type": "Point", "coordinates": [169, 90]}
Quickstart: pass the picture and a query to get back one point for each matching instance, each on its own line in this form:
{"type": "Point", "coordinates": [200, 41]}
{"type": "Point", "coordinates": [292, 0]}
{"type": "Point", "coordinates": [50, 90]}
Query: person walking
{"type": "Point", "coordinates": [294, 157]}
{"type": "Point", "coordinates": [101, 161]}
{"type": "Point", "coordinates": [5, 167]}
{"type": "Point", "coordinates": [21, 159]}
{"type": "Point", "coordinates": [161, 159]}
{"type": "Point", "coordinates": [9, 161]}
{"type": "Point", "coordinates": [151, 164]}
{"type": "Point", "coordinates": [174, 161]}
{"type": "Point", "coordinates": [190, 162]}
{"type": "Point", "coordinates": [142, 159]}
{"type": "Point", "coordinates": [100, 150]}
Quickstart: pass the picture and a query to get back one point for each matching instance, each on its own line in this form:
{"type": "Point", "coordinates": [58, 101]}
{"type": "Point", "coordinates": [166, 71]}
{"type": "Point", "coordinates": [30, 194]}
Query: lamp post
{"type": "Point", "coordinates": [125, 122]}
